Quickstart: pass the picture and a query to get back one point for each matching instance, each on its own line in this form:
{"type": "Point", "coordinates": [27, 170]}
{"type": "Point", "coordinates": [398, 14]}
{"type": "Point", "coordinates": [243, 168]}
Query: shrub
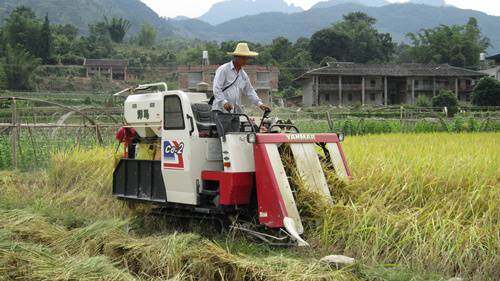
{"type": "Point", "coordinates": [446, 99]}
{"type": "Point", "coordinates": [487, 92]}
{"type": "Point", "coordinates": [97, 83]}
{"type": "Point", "coordinates": [423, 101]}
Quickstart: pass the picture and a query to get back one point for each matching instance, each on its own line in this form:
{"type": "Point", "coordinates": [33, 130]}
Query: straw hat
{"type": "Point", "coordinates": [242, 50]}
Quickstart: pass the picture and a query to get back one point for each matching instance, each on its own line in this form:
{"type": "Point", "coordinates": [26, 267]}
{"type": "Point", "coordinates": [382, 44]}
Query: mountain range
{"type": "Point", "coordinates": [369, 3]}
{"type": "Point", "coordinates": [375, 3]}
{"type": "Point", "coordinates": [396, 19]}
{"type": "Point", "coordinates": [227, 10]}
{"type": "Point", "coordinates": [81, 13]}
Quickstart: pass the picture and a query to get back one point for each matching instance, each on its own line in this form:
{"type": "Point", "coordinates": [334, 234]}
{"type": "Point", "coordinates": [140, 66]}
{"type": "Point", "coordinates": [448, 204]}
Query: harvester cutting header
{"type": "Point", "coordinates": [214, 160]}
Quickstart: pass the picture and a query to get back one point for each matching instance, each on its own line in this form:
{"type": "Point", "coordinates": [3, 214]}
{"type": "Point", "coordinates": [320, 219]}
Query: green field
{"type": "Point", "coordinates": [420, 207]}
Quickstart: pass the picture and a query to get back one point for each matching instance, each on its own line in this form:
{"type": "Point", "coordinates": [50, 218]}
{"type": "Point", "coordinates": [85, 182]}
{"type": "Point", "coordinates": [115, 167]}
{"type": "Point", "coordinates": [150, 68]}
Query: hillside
{"type": "Point", "coordinates": [397, 19]}
{"type": "Point", "coordinates": [232, 9]}
{"type": "Point", "coordinates": [375, 3]}
{"type": "Point", "coordinates": [437, 3]}
{"type": "Point", "coordinates": [81, 13]}
{"type": "Point", "coordinates": [369, 3]}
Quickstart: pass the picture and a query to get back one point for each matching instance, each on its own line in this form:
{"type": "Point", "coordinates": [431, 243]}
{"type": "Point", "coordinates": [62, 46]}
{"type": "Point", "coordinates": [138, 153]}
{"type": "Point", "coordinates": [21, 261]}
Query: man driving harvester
{"type": "Point", "coordinates": [230, 82]}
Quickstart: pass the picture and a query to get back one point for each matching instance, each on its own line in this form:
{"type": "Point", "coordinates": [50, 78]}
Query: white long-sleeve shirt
{"type": "Point", "coordinates": [224, 76]}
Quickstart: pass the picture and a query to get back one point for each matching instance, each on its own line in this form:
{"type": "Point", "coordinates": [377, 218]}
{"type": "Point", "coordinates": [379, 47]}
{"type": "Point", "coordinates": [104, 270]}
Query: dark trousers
{"type": "Point", "coordinates": [225, 123]}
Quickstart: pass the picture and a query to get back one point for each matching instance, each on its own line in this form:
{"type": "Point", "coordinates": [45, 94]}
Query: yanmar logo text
{"type": "Point", "coordinates": [302, 137]}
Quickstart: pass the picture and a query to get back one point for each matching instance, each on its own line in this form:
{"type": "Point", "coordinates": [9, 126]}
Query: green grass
{"type": "Point", "coordinates": [360, 126]}
{"type": "Point", "coordinates": [36, 146]}
{"type": "Point", "coordinates": [420, 207]}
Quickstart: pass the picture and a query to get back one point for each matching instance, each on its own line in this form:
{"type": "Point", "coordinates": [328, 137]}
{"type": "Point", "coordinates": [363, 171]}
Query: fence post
{"type": "Point", "coordinates": [329, 119]}
{"type": "Point", "coordinates": [14, 133]}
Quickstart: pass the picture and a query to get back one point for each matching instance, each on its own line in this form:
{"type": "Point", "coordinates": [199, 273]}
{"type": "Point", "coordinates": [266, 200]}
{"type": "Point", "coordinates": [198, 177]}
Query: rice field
{"type": "Point", "coordinates": [420, 207]}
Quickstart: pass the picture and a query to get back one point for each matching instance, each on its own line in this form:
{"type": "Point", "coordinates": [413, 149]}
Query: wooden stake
{"type": "Point", "coordinates": [329, 119]}
{"type": "Point", "coordinates": [14, 134]}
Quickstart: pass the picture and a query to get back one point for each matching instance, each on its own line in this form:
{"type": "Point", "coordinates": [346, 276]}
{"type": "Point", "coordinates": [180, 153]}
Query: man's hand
{"type": "Point", "coordinates": [228, 106]}
{"type": "Point", "coordinates": [264, 107]}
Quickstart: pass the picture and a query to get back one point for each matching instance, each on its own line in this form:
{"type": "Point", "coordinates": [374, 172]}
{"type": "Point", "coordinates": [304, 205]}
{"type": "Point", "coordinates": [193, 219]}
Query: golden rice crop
{"type": "Point", "coordinates": [418, 204]}
{"type": "Point", "coordinates": [430, 201]}
{"type": "Point", "coordinates": [69, 214]}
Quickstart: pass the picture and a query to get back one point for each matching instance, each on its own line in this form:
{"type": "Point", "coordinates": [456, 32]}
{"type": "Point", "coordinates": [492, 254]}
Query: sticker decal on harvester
{"type": "Point", "coordinates": [300, 137]}
{"type": "Point", "coordinates": [173, 155]}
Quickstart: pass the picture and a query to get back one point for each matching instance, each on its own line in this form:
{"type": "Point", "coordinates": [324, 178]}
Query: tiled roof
{"type": "Point", "coordinates": [401, 70]}
{"type": "Point", "coordinates": [494, 57]}
{"type": "Point", "coordinates": [105, 62]}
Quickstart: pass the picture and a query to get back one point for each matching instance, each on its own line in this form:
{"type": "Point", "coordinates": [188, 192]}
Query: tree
{"type": "Point", "coordinates": [66, 46]}
{"type": "Point", "coordinates": [20, 67]}
{"type": "Point", "coordinates": [98, 44]}
{"type": "Point", "coordinates": [147, 36]}
{"type": "Point", "coordinates": [3, 78]}
{"type": "Point", "coordinates": [67, 30]}
{"type": "Point", "coordinates": [457, 45]}
{"type": "Point", "coordinates": [353, 39]}
{"type": "Point", "coordinates": [486, 92]}
{"type": "Point", "coordinates": [45, 41]}
{"type": "Point", "coordinates": [289, 92]}
{"type": "Point", "coordinates": [330, 43]}
{"type": "Point", "coordinates": [99, 30]}
{"type": "Point", "coordinates": [282, 49]}
{"type": "Point", "coordinates": [446, 99]}
{"type": "Point", "coordinates": [22, 28]}
{"type": "Point", "coordinates": [327, 61]}
{"type": "Point", "coordinates": [117, 28]}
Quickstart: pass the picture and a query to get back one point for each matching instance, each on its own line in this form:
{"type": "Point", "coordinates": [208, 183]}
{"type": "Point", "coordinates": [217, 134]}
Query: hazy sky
{"type": "Point", "coordinates": [195, 8]}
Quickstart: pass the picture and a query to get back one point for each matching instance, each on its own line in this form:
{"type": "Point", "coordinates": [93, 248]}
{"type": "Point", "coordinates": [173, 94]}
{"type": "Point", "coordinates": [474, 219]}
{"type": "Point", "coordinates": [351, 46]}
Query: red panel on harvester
{"type": "Point", "coordinates": [296, 138]}
{"type": "Point", "coordinates": [235, 188]}
{"type": "Point", "coordinates": [272, 209]}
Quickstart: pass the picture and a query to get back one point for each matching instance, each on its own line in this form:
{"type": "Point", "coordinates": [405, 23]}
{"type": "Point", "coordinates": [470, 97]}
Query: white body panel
{"type": "Point", "coordinates": [337, 161]}
{"type": "Point", "coordinates": [182, 171]}
{"type": "Point", "coordinates": [197, 97]}
{"type": "Point", "coordinates": [310, 168]}
{"type": "Point", "coordinates": [184, 155]}
{"type": "Point", "coordinates": [284, 186]}
{"type": "Point", "coordinates": [237, 151]}
{"type": "Point", "coordinates": [145, 113]}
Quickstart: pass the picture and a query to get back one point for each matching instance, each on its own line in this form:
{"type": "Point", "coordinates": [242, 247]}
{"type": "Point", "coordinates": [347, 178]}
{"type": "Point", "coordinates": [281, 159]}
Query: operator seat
{"type": "Point", "coordinates": [203, 115]}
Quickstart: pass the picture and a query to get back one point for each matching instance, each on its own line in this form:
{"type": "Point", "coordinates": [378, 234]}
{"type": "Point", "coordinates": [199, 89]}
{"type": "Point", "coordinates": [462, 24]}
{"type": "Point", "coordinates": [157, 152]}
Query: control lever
{"type": "Point", "coordinates": [267, 112]}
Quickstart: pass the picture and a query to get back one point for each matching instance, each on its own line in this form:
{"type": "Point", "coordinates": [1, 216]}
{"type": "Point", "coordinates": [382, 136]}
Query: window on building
{"type": "Point", "coordinates": [326, 80]}
{"type": "Point", "coordinates": [373, 83]}
{"type": "Point", "coordinates": [195, 76]}
{"type": "Point", "coordinates": [416, 83]}
{"type": "Point", "coordinates": [173, 115]}
{"type": "Point", "coordinates": [373, 97]}
{"type": "Point", "coordinates": [263, 76]}
{"type": "Point", "coordinates": [327, 97]}
{"type": "Point", "coordinates": [351, 80]}
{"type": "Point", "coordinates": [349, 97]}
{"type": "Point", "coordinates": [467, 83]}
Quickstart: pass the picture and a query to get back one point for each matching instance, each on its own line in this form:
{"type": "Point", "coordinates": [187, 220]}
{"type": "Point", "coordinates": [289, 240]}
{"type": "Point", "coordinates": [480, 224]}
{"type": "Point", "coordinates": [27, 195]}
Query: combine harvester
{"type": "Point", "coordinates": [236, 175]}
